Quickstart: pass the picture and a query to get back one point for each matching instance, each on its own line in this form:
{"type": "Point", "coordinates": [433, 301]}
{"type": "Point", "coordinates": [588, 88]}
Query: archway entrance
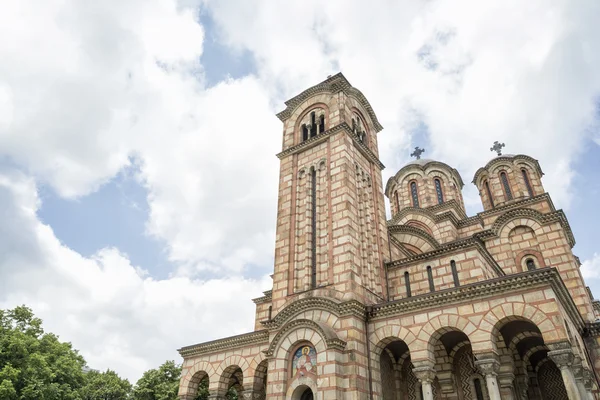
{"type": "Point", "coordinates": [307, 395]}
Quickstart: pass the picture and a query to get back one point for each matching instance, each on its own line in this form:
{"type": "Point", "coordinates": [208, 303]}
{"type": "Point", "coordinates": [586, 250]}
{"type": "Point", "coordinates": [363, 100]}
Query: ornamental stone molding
{"type": "Point", "coordinates": [424, 371]}
{"type": "Point", "coordinates": [461, 244]}
{"type": "Point", "coordinates": [327, 334]}
{"type": "Point", "coordinates": [321, 137]}
{"type": "Point", "coordinates": [507, 159]}
{"type": "Point", "coordinates": [423, 166]}
{"type": "Point", "coordinates": [299, 306]}
{"type": "Point", "coordinates": [542, 219]}
{"type": "Point", "coordinates": [488, 366]}
{"type": "Point", "coordinates": [562, 358]}
{"type": "Point", "coordinates": [411, 230]}
{"type": "Point", "coordinates": [246, 339]}
{"type": "Point", "coordinates": [502, 285]}
{"type": "Point", "coordinates": [333, 84]}
{"type": "Point", "coordinates": [436, 214]}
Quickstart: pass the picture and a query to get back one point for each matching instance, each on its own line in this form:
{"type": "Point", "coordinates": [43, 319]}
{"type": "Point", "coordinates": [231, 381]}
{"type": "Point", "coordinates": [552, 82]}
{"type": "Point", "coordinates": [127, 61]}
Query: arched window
{"type": "Point", "coordinates": [397, 201]}
{"type": "Point", "coordinates": [407, 283]}
{"type": "Point", "coordinates": [478, 389]}
{"type": "Point", "coordinates": [438, 190]}
{"type": "Point", "coordinates": [454, 273]}
{"type": "Point", "coordinates": [506, 185]}
{"type": "Point", "coordinates": [527, 183]}
{"type": "Point", "coordinates": [414, 194]}
{"type": "Point", "coordinates": [322, 124]}
{"type": "Point", "coordinates": [304, 132]}
{"type": "Point", "coordinates": [489, 193]}
{"type": "Point", "coordinates": [270, 312]}
{"type": "Point", "coordinates": [530, 263]}
{"type": "Point", "coordinates": [430, 279]}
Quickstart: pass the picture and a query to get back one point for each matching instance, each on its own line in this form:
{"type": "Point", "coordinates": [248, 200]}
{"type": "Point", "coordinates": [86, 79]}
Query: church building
{"type": "Point", "coordinates": [429, 304]}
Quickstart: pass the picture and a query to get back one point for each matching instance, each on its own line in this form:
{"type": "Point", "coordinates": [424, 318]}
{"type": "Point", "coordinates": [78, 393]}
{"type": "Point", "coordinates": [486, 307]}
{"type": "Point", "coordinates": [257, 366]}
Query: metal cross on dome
{"type": "Point", "coordinates": [497, 147]}
{"type": "Point", "coordinates": [417, 153]}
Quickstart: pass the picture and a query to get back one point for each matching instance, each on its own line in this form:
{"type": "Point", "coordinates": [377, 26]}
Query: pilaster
{"type": "Point", "coordinates": [564, 358]}
{"type": "Point", "coordinates": [425, 373]}
{"type": "Point", "coordinates": [489, 366]}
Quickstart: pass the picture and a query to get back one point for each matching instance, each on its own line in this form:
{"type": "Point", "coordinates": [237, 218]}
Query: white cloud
{"type": "Point", "coordinates": [590, 269]}
{"type": "Point", "coordinates": [88, 89]}
{"type": "Point", "coordinates": [116, 316]}
{"type": "Point", "coordinates": [475, 71]}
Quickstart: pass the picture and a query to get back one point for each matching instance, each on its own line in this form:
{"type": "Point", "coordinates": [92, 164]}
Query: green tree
{"type": "Point", "coordinates": [35, 365]}
{"type": "Point", "coordinates": [105, 386]}
{"type": "Point", "coordinates": [159, 384]}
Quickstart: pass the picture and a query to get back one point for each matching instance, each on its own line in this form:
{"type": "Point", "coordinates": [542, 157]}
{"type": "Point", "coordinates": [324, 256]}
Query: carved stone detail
{"type": "Point", "coordinates": [488, 366]}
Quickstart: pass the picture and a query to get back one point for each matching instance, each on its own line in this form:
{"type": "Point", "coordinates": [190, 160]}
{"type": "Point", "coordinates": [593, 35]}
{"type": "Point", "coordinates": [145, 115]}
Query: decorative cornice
{"type": "Point", "coordinates": [328, 335]}
{"type": "Point", "coordinates": [422, 167]}
{"type": "Point", "coordinates": [268, 296]}
{"type": "Point", "coordinates": [411, 230]}
{"type": "Point", "coordinates": [232, 342]}
{"type": "Point", "coordinates": [436, 214]}
{"type": "Point", "coordinates": [510, 159]}
{"type": "Point", "coordinates": [502, 285]}
{"type": "Point", "coordinates": [462, 244]}
{"type": "Point", "coordinates": [543, 219]}
{"type": "Point", "coordinates": [400, 247]}
{"type": "Point", "coordinates": [518, 204]}
{"type": "Point", "coordinates": [592, 329]}
{"type": "Point", "coordinates": [321, 137]}
{"type": "Point", "coordinates": [340, 309]}
{"type": "Point", "coordinates": [334, 84]}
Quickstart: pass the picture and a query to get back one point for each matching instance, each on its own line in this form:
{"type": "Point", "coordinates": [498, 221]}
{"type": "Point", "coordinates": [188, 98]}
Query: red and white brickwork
{"type": "Point", "coordinates": [430, 304]}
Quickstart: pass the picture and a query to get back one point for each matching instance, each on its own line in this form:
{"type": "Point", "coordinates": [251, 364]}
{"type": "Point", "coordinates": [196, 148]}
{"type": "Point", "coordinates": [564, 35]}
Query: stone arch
{"type": "Point", "coordinates": [228, 370]}
{"type": "Point", "coordinates": [306, 331]}
{"type": "Point", "coordinates": [501, 314]}
{"type": "Point", "coordinates": [414, 236]}
{"type": "Point", "coordinates": [418, 214]}
{"type": "Point", "coordinates": [521, 256]}
{"type": "Point", "coordinates": [294, 307]}
{"type": "Point", "coordinates": [419, 225]}
{"type": "Point", "coordinates": [386, 334]}
{"type": "Point", "coordinates": [520, 217]}
{"type": "Point", "coordinates": [319, 104]}
{"type": "Point", "coordinates": [190, 382]}
{"type": "Point", "coordinates": [297, 388]}
{"type": "Point", "coordinates": [435, 328]}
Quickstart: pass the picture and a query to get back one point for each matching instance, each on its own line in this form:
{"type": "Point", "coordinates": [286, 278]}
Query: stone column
{"type": "Point", "coordinates": [505, 380]}
{"type": "Point", "coordinates": [578, 373]}
{"type": "Point", "coordinates": [563, 358]}
{"type": "Point", "coordinates": [425, 374]}
{"type": "Point", "coordinates": [588, 383]}
{"type": "Point", "coordinates": [489, 366]}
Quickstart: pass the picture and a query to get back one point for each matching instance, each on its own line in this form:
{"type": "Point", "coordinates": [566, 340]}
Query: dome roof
{"type": "Point", "coordinates": [421, 164]}
{"type": "Point", "coordinates": [421, 161]}
{"type": "Point", "coordinates": [499, 158]}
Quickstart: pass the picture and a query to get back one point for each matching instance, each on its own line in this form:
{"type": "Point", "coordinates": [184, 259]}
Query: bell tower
{"type": "Point", "coordinates": [331, 237]}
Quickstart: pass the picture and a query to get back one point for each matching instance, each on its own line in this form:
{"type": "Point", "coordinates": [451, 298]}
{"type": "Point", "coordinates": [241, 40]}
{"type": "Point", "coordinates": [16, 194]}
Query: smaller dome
{"type": "Point", "coordinates": [421, 161]}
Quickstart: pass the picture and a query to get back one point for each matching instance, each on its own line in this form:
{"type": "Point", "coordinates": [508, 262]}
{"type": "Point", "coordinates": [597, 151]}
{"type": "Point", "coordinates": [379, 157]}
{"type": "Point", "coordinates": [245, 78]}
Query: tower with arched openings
{"type": "Point", "coordinates": [430, 303]}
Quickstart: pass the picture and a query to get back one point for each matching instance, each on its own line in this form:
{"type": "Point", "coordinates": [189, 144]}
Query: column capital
{"type": "Point", "coordinates": [488, 364]}
{"type": "Point", "coordinates": [253, 395]}
{"type": "Point", "coordinates": [563, 358]}
{"type": "Point", "coordinates": [424, 371]}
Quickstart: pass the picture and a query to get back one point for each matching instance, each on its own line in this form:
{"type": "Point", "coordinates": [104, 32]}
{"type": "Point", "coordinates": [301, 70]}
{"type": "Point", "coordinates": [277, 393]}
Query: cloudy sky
{"type": "Point", "coordinates": [138, 138]}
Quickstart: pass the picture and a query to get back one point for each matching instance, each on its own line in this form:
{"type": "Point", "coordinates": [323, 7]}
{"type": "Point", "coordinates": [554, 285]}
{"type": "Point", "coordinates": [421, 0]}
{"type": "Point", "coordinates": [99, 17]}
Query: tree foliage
{"type": "Point", "coordinates": [159, 384]}
{"type": "Point", "coordinates": [35, 365]}
{"type": "Point", "coordinates": [105, 386]}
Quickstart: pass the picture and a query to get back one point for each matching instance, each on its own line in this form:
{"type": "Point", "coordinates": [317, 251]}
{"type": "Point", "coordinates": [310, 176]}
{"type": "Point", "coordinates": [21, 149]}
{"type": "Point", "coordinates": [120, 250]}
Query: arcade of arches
{"type": "Point", "coordinates": [426, 303]}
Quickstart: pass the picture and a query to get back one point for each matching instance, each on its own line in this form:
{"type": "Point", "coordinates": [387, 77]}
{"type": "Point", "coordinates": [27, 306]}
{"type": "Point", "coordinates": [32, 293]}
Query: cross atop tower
{"type": "Point", "coordinates": [497, 147]}
{"type": "Point", "coordinates": [417, 153]}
